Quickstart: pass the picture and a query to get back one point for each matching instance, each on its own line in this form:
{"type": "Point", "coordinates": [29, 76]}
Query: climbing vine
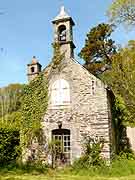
{"type": "Point", "coordinates": [57, 57]}
{"type": "Point", "coordinates": [34, 105]}
{"type": "Point", "coordinates": [120, 116]}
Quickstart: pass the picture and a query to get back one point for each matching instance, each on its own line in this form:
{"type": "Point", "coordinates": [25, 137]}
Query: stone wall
{"type": "Point", "coordinates": [89, 110]}
{"type": "Point", "coordinates": [131, 136]}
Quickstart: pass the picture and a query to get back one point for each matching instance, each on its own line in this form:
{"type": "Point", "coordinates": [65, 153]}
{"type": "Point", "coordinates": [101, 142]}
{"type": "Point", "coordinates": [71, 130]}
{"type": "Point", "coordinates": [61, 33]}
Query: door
{"type": "Point", "coordinates": [63, 135]}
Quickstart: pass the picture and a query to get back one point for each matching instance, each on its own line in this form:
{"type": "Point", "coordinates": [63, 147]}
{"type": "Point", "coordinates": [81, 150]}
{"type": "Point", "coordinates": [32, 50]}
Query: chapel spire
{"type": "Point", "coordinates": [63, 32]}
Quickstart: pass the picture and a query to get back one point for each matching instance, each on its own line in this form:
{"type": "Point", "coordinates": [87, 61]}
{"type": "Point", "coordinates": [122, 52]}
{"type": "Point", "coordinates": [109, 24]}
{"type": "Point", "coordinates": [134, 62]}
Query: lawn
{"type": "Point", "coordinates": [66, 177]}
{"type": "Point", "coordinates": [119, 170]}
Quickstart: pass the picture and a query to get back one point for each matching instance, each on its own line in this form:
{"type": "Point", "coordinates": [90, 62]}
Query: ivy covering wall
{"type": "Point", "coordinates": [34, 105]}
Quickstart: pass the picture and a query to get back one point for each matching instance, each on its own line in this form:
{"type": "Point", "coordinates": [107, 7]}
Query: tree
{"type": "Point", "coordinates": [121, 78]}
{"type": "Point", "coordinates": [98, 49]}
{"type": "Point", "coordinates": [10, 121]}
{"type": "Point", "coordinates": [10, 99]}
{"type": "Point", "coordinates": [122, 11]}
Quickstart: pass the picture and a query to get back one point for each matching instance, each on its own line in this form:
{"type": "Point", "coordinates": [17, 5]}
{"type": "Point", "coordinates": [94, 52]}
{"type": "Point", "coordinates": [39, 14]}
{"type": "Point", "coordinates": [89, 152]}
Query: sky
{"type": "Point", "coordinates": [26, 31]}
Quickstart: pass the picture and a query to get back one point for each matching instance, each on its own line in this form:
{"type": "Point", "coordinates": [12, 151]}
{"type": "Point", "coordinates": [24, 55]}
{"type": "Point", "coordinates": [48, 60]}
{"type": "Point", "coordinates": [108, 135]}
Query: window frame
{"type": "Point", "coordinates": [60, 93]}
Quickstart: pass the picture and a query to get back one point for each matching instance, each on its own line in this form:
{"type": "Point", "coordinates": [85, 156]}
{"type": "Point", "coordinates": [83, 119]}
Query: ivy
{"type": "Point", "coordinates": [120, 116]}
{"type": "Point", "coordinates": [57, 57]}
{"type": "Point", "coordinates": [34, 105]}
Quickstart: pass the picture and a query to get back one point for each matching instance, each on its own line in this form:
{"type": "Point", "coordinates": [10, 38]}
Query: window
{"type": "Point", "coordinates": [93, 87]}
{"type": "Point", "coordinates": [62, 33]}
{"type": "Point", "coordinates": [32, 69]}
{"type": "Point", "coordinates": [60, 92]}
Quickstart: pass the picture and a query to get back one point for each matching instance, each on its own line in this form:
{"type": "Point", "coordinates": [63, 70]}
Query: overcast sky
{"type": "Point", "coordinates": [26, 30]}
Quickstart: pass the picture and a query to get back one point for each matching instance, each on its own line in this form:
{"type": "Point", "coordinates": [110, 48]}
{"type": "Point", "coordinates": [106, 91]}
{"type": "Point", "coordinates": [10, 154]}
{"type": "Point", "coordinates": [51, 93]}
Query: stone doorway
{"type": "Point", "coordinates": [63, 135]}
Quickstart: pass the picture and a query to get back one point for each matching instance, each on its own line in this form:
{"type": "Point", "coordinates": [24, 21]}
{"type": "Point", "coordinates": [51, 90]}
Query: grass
{"type": "Point", "coordinates": [61, 177]}
{"type": "Point", "coordinates": [120, 170]}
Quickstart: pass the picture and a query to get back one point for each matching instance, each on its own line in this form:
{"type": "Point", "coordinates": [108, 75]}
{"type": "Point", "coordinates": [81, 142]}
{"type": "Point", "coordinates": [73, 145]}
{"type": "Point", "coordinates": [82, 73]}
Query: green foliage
{"type": "Point", "coordinates": [121, 78]}
{"type": "Point", "coordinates": [121, 168]}
{"type": "Point", "coordinates": [19, 169]}
{"type": "Point", "coordinates": [57, 57]}
{"type": "Point", "coordinates": [9, 145]}
{"type": "Point", "coordinates": [122, 11]}
{"type": "Point", "coordinates": [55, 150]}
{"type": "Point", "coordinates": [120, 117]}
{"type": "Point", "coordinates": [12, 120]}
{"type": "Point", "coordinates": [92, 153]}
{"type": "Point", "coordinates": [98, 49]}
{"type": "Point", "coordinates": [120, 112]}
{"type": "Point", "coordinates": [10, 99]}
{"type": "Point", "coordinates": [34, 105]}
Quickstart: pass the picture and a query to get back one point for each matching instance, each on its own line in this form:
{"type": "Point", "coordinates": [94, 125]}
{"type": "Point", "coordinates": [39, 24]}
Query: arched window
{"type": "Point", "coordinates": [32, 69]}
{"type": "Point", "coordinates": [62, 33]}
{"type": "Point", "coordinates": [60, 92]}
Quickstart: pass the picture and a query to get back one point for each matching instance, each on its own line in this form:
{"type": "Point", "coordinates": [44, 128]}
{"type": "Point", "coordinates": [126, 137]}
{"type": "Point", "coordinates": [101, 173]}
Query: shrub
{"type": "Point", "coordinates": [9, 145]}
{"type": "Point", "coordinates": [91, 156]}
{"type": "Point", "coordinates": [55, 150]}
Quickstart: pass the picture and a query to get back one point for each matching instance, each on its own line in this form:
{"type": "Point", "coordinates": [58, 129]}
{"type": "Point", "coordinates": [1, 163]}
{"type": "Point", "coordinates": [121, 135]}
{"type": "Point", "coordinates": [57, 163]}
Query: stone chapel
{"type": "Point", "coordinates": [79, 103]}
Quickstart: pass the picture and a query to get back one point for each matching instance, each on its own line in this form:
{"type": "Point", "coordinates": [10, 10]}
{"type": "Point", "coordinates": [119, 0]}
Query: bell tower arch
{"type": "Point", "coordinates": [63, 33]}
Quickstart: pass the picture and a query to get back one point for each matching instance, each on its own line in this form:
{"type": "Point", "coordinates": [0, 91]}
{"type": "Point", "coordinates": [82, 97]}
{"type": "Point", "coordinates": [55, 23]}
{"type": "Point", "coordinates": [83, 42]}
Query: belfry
{"type": "Point", "coordinates": [63, 32]}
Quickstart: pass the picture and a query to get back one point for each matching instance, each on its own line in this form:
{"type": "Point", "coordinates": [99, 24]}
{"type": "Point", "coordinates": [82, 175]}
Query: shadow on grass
{"type": "Point", "coordinates": [16, 169]}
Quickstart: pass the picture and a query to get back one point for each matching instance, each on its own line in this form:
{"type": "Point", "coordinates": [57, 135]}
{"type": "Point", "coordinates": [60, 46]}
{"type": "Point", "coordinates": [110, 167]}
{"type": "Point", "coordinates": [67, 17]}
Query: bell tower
{"type": "Point", "coordinates": [33, 69]}
{"type": "Point", "coordinates": [63, 33]}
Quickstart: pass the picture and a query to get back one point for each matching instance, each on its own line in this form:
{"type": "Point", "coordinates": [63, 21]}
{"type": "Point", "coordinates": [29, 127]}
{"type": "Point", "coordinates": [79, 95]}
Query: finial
{"type": "Point", "coordinates": [62, 14]}
{"type": "Point", "coordinates": [34, 60]}
{"type": "Point", "coordinates": [62, 11]}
